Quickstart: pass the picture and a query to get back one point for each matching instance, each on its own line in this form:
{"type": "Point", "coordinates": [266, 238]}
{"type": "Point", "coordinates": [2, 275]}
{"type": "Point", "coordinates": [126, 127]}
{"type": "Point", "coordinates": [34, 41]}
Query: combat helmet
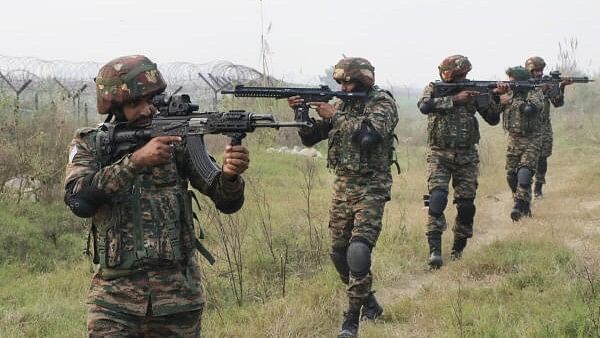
{"type": "Point", "coordinates": [126, 79]}
{"type": "Point", "coordinates": [354, 69]}
{"type": "Point", "coordinates": [519, 73]}
{"type": "Point", "coordinates": [535, 62]}
{"type": "Point", "coordinates": [453, 66]}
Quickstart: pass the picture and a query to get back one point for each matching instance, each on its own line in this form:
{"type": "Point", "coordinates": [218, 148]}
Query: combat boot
{"type": "Point", "coordinates": [537, 190]}
{"type": "Point", "coordinates": [526, 210]}
{"type": "Point", "coordinates": [435, 250]}
{"type": "Point", "coordinates": [517, 211]}
{"type": "Point", "coordinates": [457, 248]}
{"type": "Point", "coordinates": [371, 309]}
{"type": "Point", "coordinates": [350, 324]}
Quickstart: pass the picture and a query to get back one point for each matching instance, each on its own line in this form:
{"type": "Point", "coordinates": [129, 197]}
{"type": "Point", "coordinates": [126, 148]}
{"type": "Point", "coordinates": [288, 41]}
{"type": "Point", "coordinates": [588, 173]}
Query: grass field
{"type": "Point", "coordinates": [536, 278]}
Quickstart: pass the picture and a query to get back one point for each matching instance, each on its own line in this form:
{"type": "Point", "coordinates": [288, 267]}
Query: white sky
{"type": "Point", "coordinates": [405, 40]}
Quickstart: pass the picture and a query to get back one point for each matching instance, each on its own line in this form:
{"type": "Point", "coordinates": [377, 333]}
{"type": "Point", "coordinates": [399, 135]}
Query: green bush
{"type": "Point", "coordinates": [39, 236]}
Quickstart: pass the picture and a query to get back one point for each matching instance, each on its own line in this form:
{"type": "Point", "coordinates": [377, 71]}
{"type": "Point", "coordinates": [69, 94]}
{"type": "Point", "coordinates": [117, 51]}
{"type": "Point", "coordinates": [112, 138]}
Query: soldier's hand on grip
{"type": "Point", "coordinates": [325, 110]}
{"type": "Point", "coordinates": [235, 161]}
{"type": "Point", "coordinates": [567, 81]}
{"type": "Point", "coordinates": [501, 88]}
{"type": "Point", "coordinates": [464, 96]}
{"type": "Point", "coordinates": [506, 99]}
{"type": "Point", "coordinates": [294, 101]}
{"type": "Point", "coordinates": [157, 151]}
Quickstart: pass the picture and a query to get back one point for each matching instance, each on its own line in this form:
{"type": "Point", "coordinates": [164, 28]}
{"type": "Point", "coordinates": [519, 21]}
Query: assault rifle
{"type": "Point", "coordinates": [441, 89]}
{"type": "Point", "coordinates": [551, 82]}
{"type": "Point", "coordinates": [176, 117]}
{"type": "Point", "coordinates": [321, 94]}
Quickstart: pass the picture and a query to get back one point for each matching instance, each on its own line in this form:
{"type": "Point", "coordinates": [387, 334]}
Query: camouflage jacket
{"type": "Point", "coordinates": [556, 101]}
{"type": "Point", "coordinates": [451, 126]}
{"type": "Point", "coordinates": [518, 123]}
{"type": "Point", "coordinates": [144, 240]}
{"type": "Point", "coordinates": [344, 156]}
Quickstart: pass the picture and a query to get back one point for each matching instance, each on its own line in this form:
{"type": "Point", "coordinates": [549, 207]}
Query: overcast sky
{"type": "Point", "coordinates": [405, 40]}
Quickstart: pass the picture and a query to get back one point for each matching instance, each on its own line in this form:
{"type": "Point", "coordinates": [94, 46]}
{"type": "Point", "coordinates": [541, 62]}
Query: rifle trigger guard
{"type": "Point", "coordinates": [301, 113]}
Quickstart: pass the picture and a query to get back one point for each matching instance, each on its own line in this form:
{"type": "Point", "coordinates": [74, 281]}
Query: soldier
{"type": "Point", "coordinates": [453, 134]}
{"type": "Point", "coordinates": [148, 278]}
{"type": "Point", "coordinates": [522, 121]}
{"type": "Point", "coordinates": [360, 135]}
{"type": "Point", "coordinates": [536, 65]}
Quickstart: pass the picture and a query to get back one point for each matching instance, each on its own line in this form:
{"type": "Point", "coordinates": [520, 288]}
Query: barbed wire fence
{"type": "Point", "coordinates": [32, 87]}
{"type": "Point", "coordinates": [35, 83]}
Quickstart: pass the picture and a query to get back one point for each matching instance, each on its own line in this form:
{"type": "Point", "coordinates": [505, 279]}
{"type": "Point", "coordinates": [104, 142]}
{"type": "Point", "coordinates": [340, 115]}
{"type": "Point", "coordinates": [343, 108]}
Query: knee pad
{"type": "Point", "coordinates": [524, 176]}
{"type": "Point", "coordinates": [466, 210]}
{"type": "Point", "coordinates": [438, 199]}
{"type": "Point", "coordinates": [511, 178]}
{"type": "Point", "coordinates": [542, 165]}
{"type": "Point", "coordinates": [340, 262]}
{"type": "Point", "coordinates": [359, 258]}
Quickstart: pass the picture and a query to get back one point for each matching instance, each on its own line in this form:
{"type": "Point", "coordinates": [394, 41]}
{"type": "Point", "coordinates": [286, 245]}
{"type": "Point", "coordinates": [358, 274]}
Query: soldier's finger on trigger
{"type": "Point", "coordinates": [167, 139]}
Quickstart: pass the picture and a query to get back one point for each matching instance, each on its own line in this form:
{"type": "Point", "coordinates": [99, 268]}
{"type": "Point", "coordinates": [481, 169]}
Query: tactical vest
{"type": "Point", "coordinates": [453, 129]}
{"type": "Point", "coordinates": [516, 122]}
{"type": "Point", "coordinates": [147, 225]}
{"type": "Point", "coordinates": [344, 156]}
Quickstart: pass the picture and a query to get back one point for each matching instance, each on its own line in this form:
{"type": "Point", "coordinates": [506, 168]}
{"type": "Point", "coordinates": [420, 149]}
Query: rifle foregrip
{"type": "Point", "coordinates": [201, 160]}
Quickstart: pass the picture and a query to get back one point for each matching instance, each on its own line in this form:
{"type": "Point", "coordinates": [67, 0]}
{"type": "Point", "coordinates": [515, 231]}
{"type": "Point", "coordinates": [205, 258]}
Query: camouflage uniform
{"type": "Point", "coordinates": [148, 279]}
{"type": "Point", "coordinates": [547, 134]}
{"type": "Point", "coordinates": [531, 64]}
{"type": "Point", "coordinates": [453, 134]}
{"type": "Point", "coordinates": [363, 179]}
{"type": "Point", "coordinates": [111, 323]}
{"type": "Point", "coordinates": [524, 135]}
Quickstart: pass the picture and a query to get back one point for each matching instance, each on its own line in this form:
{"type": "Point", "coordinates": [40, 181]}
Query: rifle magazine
{"type": "Point", "coordinates": [201, 160]}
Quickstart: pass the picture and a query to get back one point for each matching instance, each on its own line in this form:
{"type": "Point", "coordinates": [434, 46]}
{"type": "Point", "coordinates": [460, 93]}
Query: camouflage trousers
{"type": "Point", "coordinates": [356, 212]}
{"type": "Point", "coordinates": [522, 151]}
{"type": "Point", "coordinates": [546, 140]}
{"type": "Point", "coordinates": [461, 166]}
{"type": "Point", "coordinates": [103, 322]}
{"type": "Point", "coordinates": [545, 151]}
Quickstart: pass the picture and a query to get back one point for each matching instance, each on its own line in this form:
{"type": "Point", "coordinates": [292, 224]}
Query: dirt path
{"type": "Point", "coordinates": [489, 227]}
{"type": "Point", "coordinates": [568, 217]}
{"type": "Point", "coordinates": [493, 223]}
